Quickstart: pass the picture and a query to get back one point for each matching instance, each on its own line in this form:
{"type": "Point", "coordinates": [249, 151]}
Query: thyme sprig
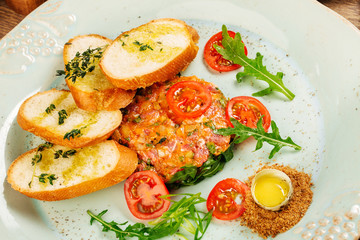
{"type": "Point", "coordinates": [76, 132]}
{"type": "Point", "coordinates": [142, 46]}
{"type": "Point", "coordinates": [66, 154]}
{"type": "Point", "coordinates": [81, 64]}
{"type": "Point", "coordinates": [50, 108]}
{"type": "Point", "coordinates": [47, 177]}
{"type": "Point", "coordinates": [62, 116]}
{"type": "Point", "coordinates": [38, 157]}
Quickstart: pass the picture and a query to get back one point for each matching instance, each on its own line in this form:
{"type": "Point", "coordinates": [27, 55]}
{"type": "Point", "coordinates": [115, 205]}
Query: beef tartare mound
{"type": "Point", "coordinates": [166, 140]}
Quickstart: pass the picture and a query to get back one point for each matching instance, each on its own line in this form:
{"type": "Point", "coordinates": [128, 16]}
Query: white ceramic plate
{"type": "Point", "coordinates": [318, 51]}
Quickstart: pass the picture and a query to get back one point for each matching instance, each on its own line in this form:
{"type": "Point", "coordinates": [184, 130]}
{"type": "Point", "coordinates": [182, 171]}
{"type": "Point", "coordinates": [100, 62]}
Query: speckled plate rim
{"type": "Point", "coordinates": [328, 59]}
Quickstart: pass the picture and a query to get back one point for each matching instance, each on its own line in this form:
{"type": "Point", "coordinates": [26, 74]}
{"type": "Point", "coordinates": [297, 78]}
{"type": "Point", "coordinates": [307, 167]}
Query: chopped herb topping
{"type": "Point", "coordinates": [150, 145]}
{"type": "Point", "coordinates": [74, 133]}
{"type": "Point", "coordinates": [36, 159]}
{"type": "Point", "coordinates": [60, 72]}
{"type": "Point", "coordinates": [162, 140]}
{"type": "Point", "coordinates": [211, 147]}
{"type": "Point", "coordinates": [62, 116]}
{"type": "Point", "coordinates": [137, 119]}
{"type": "Point", "coordinates": [137, 43]}
{"type": "Point", "coordinates": [46, 176]}
{"type": "Point", "coordinates": [210, 125]}
{"type": "Point", "coordinates": [50, 108]}
{"type": "Point", "coordinates": [142, 46]}
{"type": "Point", "coordinates": [192, 132]}
{"type": "Point", "coordinates": [44, 145]}
{"type": "Point", "coordinates": [81, 64]}
{"type": "Point", "coordinates": [66, 154]}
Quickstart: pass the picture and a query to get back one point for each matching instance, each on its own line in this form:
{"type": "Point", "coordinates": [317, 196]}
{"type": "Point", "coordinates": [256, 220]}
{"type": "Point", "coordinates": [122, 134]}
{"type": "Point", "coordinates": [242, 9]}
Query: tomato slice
{"type": "Point", "coordinates": [247, 110]}
{"type": "Point", "coordinates": [224, 199]}
{"type": "Point", "coordinates": [142, 191]}
{"type": "Point", "coordinates": [215, 59]}
{"type": "Point", "coordinates": [188, 99]}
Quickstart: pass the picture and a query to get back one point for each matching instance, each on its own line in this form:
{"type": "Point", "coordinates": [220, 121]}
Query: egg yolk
{"type": "Point", "coordinates": [271, 191]}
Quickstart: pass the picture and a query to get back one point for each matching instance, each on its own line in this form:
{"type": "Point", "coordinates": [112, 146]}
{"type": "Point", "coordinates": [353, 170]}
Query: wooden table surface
{"type": "Point", "coordinates": [350, 9]}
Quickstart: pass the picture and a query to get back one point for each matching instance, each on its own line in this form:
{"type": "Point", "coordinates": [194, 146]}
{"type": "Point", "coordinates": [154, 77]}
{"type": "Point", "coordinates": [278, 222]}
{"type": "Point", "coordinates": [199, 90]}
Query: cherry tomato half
{"type": "Point", "coordinates": [188, 99]}
{"type": "Point", "coordinates": [247, 110]}
{"type": "Point", "coordinates": [215, 59]}
{"type": "Point", "coordinates": [142, 191]}
{"type": "Point", "coordinates": [224, 199]}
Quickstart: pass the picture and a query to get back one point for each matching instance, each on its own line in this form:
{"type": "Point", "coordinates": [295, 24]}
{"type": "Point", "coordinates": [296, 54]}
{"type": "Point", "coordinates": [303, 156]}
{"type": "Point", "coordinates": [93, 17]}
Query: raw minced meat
{"type": "Point", "coordinates": [164, 142]}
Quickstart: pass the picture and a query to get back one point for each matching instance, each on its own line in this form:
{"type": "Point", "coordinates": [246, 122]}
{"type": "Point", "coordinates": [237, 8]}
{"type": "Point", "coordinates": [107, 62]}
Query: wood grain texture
{"type": "Point", "coordinates": [350, 9]}
{"type": "Point", "coordinates": [8, 18]}
{"type": "Point", "coordinates": [23, 7]}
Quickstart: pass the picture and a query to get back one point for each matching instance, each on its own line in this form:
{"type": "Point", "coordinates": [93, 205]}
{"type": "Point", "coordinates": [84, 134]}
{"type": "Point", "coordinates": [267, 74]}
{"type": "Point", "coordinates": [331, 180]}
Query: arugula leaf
{"type": "Point", "coordinates": [191, 175]}
{"type": "Point", "coordinates": [234, 51]}
{"type": "Point", "coordinates": [168, 224]}
{"type": "Point", "coordinates": [243, 132]}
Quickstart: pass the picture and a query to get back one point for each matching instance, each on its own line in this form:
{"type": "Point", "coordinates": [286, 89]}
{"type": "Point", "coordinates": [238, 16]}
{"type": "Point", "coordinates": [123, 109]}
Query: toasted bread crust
{"type": "Point", "coordinates": [109, 99]}
{"type": "Point", "coordinates": [67, 54]}
{"type": "Point", "coordinates": [170, 70]}
{"type": "Point", "coordinates": [125, 166]}
{"type": "Point", "coordinates": [56, 138]}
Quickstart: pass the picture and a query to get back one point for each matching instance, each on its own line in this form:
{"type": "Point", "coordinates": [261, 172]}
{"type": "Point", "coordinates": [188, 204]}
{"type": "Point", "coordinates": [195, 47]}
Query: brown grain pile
{"type": "Point", "coordinates": [268, 223]}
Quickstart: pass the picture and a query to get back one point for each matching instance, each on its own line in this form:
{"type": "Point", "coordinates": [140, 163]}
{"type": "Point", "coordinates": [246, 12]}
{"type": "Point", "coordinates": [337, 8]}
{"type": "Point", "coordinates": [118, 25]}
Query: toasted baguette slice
{"type": "Point", "coordinates": [86, 127]}
{"type": "Point", "coordinates": [87, 170]}
{"type": "Point", "coordinates": [153, 52]}
{"type": "Point", "coordinates": [94, 92]}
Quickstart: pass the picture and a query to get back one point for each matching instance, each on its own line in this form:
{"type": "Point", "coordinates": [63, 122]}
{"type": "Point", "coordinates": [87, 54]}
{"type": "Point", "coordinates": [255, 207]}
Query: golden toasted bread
{"type": "Point", "coordinates": [153, 52]}
{"type": "Point", "coordinates": [93, 92]}
{"type": "Point", "coordinates": [63, 173]}
{"type": "Point", "coordinates": [54, 116]}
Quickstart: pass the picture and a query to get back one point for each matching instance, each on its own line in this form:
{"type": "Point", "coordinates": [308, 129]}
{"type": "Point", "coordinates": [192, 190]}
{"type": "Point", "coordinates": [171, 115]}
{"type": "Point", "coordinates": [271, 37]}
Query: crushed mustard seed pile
{"type": "Point", "coordinates": [268, 223]}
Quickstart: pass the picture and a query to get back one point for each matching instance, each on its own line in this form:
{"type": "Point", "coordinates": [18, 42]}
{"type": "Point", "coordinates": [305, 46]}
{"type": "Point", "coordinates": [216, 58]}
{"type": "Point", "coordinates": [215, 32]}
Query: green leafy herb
{"type": "Point", "coordinates": [180, 213]}
{"type": "Point", "coordinates": [50, 108]}
{"type": "Point", "coordinates": [62, 116]}
{"type": "Point", "coordinates": [210, 125]}
{"type": "Point", "coordinates": [60, 72]}
{"type": "Point", "coordinates": [42, 146]}
{"type": "Point", "coordinates": [136, 42]}
{"type": "Point", "coordinates": [74, 133]}
{"type": "Point", "coordinates": [211, 147]}
{"type": "Point", "coordinates": [66, 154]}
{"type": "Point", "coordinates": [162, 140]}
{"type": "Point", "coordinates": [192, 132]}
{"type": "Point", "coordinates": [150, 145]}
{"type": "Point", "coordinates": [45, 176]}
{"type": "Point", "coordinates": [234, 51]}
{"type": "Point", "coordinates": [137, 119]}
{"type": "Point", "coordinates": [142, 46]}
{"type": "Point", "coordinates": [191, 175]}
{"type": "Point", "coordinates": [38, 157]}
{"type": "Point", "coordinates": [242, 132]}
{"type": "Point", "coordinates": [81, 64]}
